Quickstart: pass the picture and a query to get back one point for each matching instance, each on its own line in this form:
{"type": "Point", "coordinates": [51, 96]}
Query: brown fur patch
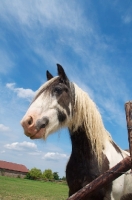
{"type": "Point", "coordinates": [83, 167]}
{"type": "Point", "coordinates": [64, 97]}
{"type": "Point", "coordinates": [127, 197]}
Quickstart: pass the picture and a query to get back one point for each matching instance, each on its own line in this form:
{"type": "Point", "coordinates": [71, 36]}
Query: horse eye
{"type": "Point", "coordinates": [57, 90]}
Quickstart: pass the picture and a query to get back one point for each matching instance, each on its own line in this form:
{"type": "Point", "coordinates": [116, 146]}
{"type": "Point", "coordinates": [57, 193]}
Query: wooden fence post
{"type": "Point", "coordinates": [128, 109]}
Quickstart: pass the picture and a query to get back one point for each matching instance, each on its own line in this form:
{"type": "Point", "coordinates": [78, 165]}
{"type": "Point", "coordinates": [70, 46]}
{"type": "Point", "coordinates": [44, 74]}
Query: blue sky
{"type": "Point", "coordinates": [92, 40]}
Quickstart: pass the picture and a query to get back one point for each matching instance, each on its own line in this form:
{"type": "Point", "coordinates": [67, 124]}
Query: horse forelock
{"type": "Point", "coordinates": [45, 87]}
{"type": "Point", "coordinates": [87, 114]}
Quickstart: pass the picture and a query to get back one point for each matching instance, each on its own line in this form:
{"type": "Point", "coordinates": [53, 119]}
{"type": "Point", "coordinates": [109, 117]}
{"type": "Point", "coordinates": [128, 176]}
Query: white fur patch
{"type": "Point", "coordinates": [122, 184]}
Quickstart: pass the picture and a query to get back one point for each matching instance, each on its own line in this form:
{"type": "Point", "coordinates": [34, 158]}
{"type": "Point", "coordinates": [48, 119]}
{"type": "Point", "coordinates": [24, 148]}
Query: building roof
{"type": "Point", "coordinates": [13, 166]}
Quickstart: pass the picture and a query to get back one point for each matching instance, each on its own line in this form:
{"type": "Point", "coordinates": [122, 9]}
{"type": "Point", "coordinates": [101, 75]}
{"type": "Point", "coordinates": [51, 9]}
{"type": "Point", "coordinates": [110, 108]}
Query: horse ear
{"type": "Point", "coordinates": [61, 72]}
{"type": "Point", "coordinates": [49, 75]}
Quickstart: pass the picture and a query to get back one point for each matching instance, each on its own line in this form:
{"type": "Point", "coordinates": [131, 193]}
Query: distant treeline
{"type": "Point", "coordinates": [47, 175]}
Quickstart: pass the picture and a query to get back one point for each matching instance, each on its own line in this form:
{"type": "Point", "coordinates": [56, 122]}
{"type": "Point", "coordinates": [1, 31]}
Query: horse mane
{"type": "Point", "coordinates": [86, 113]}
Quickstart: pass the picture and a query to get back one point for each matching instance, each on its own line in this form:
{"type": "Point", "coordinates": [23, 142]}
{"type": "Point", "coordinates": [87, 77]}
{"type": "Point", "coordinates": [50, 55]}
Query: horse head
{"type": "Point", "coordinates": [51, 108]}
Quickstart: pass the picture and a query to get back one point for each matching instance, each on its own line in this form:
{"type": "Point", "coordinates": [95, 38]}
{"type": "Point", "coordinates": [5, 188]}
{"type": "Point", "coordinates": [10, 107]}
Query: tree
{"type": "Point", "coordinates": [47, 174]}
{"type": "Point", "coordinates": [56, 176]}
{"type": "Point", "coordinates": [35, 173]}
{"type": "Point", "coordinates": [28, 176]}
{"type": "Point", "coordinates": [63, 178]}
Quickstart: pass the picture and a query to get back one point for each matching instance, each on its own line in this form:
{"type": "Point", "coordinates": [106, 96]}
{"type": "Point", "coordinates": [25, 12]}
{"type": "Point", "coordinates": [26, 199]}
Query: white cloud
{"type": "Point", "coordinates": [127, 19]}
{"type": "Point", "coordinates": [21, 92]}
{"type": "Point", "coordinates": [127, 15]}
{"type": "Point", "coordinates": [22, 146]}
{"type": "Point", "coordinates": [3, 128]}
{"type": "Point", "coordinates": [2, 151]}
{"type": "Point", "coordinates": [10, 85]}
{"type": "Point", "coordinates": [45, 12]}
{"type": "Point", "coordinates": [54, 156]}
{"type": "Point", "coordinates": [45, 16]}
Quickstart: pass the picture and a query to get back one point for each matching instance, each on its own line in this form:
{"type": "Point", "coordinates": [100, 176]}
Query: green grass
{"type": "Point", "coordinates": [23, 189]}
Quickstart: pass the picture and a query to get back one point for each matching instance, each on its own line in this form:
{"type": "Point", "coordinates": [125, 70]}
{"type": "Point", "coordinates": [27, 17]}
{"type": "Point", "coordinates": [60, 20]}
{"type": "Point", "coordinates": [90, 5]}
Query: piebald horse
{"type": "Point", "coordinates": [60, 103]}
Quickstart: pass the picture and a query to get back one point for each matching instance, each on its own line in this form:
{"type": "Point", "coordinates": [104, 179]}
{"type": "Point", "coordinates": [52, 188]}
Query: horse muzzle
{"type": "Point", "coordinates": [32, 129]}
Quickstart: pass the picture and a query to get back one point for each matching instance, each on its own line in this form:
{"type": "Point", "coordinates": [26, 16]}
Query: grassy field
{"type": "Point", "coordinates": [23, 189]}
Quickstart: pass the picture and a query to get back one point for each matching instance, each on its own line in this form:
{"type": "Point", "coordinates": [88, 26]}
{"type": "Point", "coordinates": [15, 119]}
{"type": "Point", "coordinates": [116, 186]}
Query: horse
{"type": "Point", "coordinates": [61, 103]}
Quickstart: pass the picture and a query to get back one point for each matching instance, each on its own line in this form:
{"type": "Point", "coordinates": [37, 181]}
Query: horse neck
{"type": "Point", "coordinates": [82, 155]}
{"type": "Point", "coordinates": [87, 129]}
{"type": "Point", "coordinates": [81, 145]}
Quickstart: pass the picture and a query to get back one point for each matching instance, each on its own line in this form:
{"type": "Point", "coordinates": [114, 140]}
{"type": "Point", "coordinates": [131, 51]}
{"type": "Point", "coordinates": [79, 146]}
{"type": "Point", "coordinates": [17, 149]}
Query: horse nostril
{"type": "Point", "coordinates": [42, 123]}
{"type": "Point", "coordinates": [42, 126]}
{"type": "Point", "coordinates": [45, 121]}
{"type": "Point", "coordinates": [30, 121]}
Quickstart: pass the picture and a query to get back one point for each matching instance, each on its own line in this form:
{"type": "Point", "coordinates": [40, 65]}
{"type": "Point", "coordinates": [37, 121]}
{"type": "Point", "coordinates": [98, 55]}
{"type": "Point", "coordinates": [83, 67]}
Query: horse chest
{"type": "Point", "coordinates": [82, 167]}
{"type": "Point", "coordinates": [80, 172]}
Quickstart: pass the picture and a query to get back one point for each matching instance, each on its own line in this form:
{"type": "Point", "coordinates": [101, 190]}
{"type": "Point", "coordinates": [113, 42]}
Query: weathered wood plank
{"type": "Point", "coordinates": [128, 109]}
